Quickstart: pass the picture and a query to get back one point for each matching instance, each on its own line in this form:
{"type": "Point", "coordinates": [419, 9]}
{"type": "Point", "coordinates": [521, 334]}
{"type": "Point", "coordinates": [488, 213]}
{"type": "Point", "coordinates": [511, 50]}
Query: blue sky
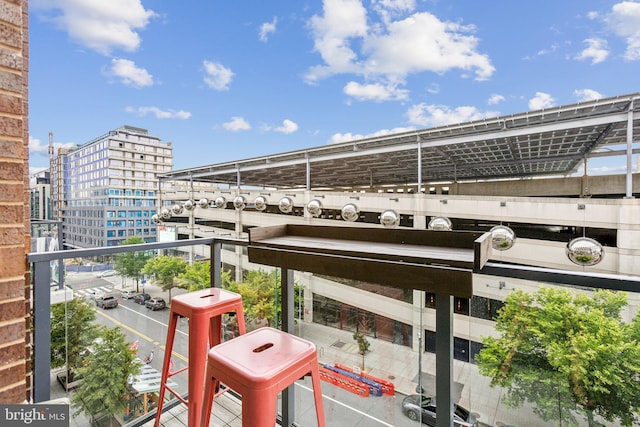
{"type": "Point", "coordinates": [228, 80]}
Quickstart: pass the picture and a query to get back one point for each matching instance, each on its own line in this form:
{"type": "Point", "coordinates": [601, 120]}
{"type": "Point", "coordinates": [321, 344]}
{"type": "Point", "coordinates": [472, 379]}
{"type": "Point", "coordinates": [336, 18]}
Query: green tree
{"type": "Point", "coordinates": [106, 371]}
{"type": "Point", "coordinates": [261, 294]}
{"type": "Point", "coordinates": [130, 264]}
{"type": "Point", "coordinates": [564, 351]}
{"type": "Point", "coordinates": [165, 270]}
{"type": "Point", "coordinates": [198, 276]}
{"type": "Point", "coordinates": [72, 329]}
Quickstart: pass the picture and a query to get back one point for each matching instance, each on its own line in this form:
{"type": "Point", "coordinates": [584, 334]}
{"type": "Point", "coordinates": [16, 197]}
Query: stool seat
{"type": "Point", "coordinates": [204, 309]}
{"type": "Point", "coordinates": [259, 365]}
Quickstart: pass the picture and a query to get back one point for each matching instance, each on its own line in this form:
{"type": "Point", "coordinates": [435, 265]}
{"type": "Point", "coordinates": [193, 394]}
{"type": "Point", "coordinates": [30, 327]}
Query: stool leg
{"type": "Point", "coordinates": [259, 408]}
{"type": "Point", "coordinates": [210, 386]}
{"type": "Point", "coordinates": [317, 394]}
{"type": "Point", "coordinates": [240, 316]}
{"type": "Point", "coordinates": [171, 333]}
{"type": "Point", "coordinates": [198, 348]}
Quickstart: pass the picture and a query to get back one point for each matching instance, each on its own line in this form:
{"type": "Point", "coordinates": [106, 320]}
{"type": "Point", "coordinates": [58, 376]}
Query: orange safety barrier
{"type": "Point", "coordinates": [344, 382]}
{"type": "Point", "coordinates": [387, 387]}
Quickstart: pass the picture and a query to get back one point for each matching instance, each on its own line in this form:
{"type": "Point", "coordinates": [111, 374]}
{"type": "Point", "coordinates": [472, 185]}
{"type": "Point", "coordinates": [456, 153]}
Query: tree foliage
{"type": "Point", "coordinates": [106, 373]}
{"type": "Point", "coordinates": [260, 296]}
{"type": "Point", "coordinates": [165, 269]}
{"type": "Point", "coordinates": [198, 276]}
{"type": "Point", "coordinates": [72, 329]}
{"type": "Point", "coordinates": [130, 264]}
{"type": "Point", "coordinates": [566, 351]}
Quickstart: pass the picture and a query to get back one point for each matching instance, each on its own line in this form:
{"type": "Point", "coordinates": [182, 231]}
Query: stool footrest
{"type": "Point", "coordinates": [170, 374]}
{"type": "Point", "coordinates": [176, 394]}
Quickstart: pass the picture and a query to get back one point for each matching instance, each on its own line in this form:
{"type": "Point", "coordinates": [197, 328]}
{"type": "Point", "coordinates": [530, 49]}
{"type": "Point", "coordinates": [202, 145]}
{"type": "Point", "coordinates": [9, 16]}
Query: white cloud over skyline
{"type": "Point", "coordinates": [217, 76]}
{"type": "Point", "coordinates": [130, 74]}
{"type": "Point", "coordinates": [159, 113]}
{"type": "Point", "coordinates": [103, 26]}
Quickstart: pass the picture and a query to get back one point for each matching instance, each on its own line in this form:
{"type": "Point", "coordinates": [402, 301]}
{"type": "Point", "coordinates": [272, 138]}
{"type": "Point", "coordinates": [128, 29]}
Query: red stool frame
{"type": "Point", "coordinates": [204, 309]}
{"type": "Point", "coordinates": [259, 365]}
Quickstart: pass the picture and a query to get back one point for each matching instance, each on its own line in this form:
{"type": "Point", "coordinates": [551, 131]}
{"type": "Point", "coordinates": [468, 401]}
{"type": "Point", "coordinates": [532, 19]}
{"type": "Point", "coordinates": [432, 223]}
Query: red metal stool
{"type": "Point", "coordinates": [259, 365]}
{"type": "Point", "coordinates": [204, 309]}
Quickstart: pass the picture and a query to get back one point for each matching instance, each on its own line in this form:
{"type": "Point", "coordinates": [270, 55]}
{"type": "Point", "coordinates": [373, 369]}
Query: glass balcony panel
{"type": "Point", "coordinates": [341, 319]}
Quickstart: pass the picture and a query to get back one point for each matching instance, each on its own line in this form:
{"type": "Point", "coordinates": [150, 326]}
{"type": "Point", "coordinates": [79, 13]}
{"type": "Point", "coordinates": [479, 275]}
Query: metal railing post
{"type": "Point", "coordinates": [444, 359]}
{"type": "Point", "coordinates": [287, 317]}
{"type": "Point", "coordinates": [42, 331]}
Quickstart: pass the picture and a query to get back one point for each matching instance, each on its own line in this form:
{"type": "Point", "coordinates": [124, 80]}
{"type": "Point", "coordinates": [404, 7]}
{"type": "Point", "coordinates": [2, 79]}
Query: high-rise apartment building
{"type": "Point", "coordinates": [40, 195]}
{"type": "Point", "coordinates": [104, 191]}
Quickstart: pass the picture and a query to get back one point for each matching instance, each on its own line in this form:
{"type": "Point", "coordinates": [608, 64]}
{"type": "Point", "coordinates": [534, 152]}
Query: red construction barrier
{"type": "Point", "coordinates": [344, 382]}
{"type": "Point", "coordinates": [387, 387]}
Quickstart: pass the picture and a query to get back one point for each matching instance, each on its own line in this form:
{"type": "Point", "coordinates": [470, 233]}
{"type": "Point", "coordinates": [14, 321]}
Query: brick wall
{"type": "Point", "coordinates": [15, 354]}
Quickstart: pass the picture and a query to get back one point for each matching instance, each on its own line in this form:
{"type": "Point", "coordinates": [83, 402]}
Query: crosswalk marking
{"type": "Point", "coordinates": [86, 293]}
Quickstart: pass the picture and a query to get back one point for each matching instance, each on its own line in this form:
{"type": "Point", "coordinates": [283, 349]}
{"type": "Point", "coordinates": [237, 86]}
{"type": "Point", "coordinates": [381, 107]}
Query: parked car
{"type": "Point", "coordinates": [106, 273]}
{"type": "Point", "coordinates": [141, 298]}
{"type": "Point", "coordinates": [413, 404]}
{"type": "Point", "coordinates": [107, 301]}
{"type": "Point", "coordinates": [128, 294]}
{"type": "Point", "coordinates": [155, 303]}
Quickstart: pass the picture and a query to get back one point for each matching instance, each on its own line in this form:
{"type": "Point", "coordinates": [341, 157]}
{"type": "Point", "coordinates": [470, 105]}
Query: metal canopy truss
{"type": "Point", "coordinates": [554, 141]}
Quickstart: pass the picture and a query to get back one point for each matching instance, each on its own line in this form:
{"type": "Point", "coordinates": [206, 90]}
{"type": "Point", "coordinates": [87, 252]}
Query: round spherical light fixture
{"type": "Point", "coordinates": [176, 209]}
{"type": "Point", "coordinates": [440, 223]}
{"type": "Point", "coordinates": [188, 205]}
{"type": "Point", "coordinates": [239, 202]}
{"type": "Point", "coordinates": [389, 218]}
{"type": "Point", "coordinates": [165, 213]}
{"type": "Point", "coordinates": [584, 251]}
{"type": "Point", "coordinates": [220, 202]}
{"type": "Point", "coordinates": [350, 212]}
{"type": "Point", "coordinates": [155, 219]}
{"type": "Point", "coordinates": [203, 203]}
{"type": "Point", "coordinates": [314, 207]}
{"type": "Point", "coordinates": [260, 203]}
{"type": "Point", "coordinates": [502, 237]}
{"type": "Point", "coordinates": [285, 205]}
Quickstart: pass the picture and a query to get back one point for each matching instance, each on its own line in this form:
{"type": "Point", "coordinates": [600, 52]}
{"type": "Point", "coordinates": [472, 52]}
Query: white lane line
{"type": "Point", "coordinates": [384, 423]}
{"type": "Point", "coordinates": [151, 318]}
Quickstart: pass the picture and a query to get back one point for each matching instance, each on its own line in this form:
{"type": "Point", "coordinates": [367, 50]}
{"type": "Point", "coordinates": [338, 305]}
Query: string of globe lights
{"type": "Point", "coordinates": [583, 251]}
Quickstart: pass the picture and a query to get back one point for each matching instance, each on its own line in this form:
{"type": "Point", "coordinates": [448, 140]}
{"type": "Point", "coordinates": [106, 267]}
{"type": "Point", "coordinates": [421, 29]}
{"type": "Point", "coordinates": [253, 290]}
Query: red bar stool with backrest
{"type": "Point", "coordinates": [204, 309]}
{"type": "Point", "coordinates": [259, 365]}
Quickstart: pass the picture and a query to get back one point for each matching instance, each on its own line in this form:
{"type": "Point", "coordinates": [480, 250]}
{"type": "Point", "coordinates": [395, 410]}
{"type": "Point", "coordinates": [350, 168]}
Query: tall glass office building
{"type": "Point", "coordinates": [107, 187]}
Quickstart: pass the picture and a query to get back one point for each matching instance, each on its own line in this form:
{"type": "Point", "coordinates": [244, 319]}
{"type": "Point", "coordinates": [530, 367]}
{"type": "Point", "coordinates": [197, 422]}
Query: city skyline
{"type": "Point", "coordinates": [225, 81]}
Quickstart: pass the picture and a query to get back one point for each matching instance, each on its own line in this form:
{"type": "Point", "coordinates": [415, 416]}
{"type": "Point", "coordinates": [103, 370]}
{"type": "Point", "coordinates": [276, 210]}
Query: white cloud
{"type": "Point", "coordinates": [130, 74]}
{"type": "Point", "coordinates": [441, 115]}
{"type": "Point", "coordinates": [287, 127]}
{"type": "Point", "coordinates": [345, 137]}
{"type": "Point", "coordinates": [624, 20]}
{"type": "Point", "coordinates": [236, 124]}
{"type": "Point", "coordinates": [587, 94]}
{"type": "Point", "coordinates": [158, 113]}
{"type": "Point", "coordinates": [495, 99]}
{"type": "Point", "coordinates": [375, 92]}
{"type": "Point", "coordinates": [390, 50]}
{"type": "Point", "coordinates": [102, 26]}
{"type": "Point", "coordinates": [268, 28]}
{"type": "Point", "coordinates": [217, 76]}
{"type": "Point", "coordinates": [541, 100]}
{"type": "Point", "coordinates": [596, 51]}
{"type": "Point", "coordinates": [37, 147]}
